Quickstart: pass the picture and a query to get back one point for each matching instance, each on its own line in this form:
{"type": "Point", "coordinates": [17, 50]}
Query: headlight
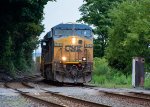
{"type": "Point", "coordinates": [83, 59]}
{"type": "Point", "coordinates": [64, 58]}
{"type": "Point", "coordinates": [73, 40]}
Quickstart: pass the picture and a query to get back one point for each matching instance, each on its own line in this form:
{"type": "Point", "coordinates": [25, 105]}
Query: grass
{"type": "Point", "coordinates": [104, 76]}
{"type": "Point", "coordinates": [115, 82]}
{"type": "Point", "coordinates": [147, 81]}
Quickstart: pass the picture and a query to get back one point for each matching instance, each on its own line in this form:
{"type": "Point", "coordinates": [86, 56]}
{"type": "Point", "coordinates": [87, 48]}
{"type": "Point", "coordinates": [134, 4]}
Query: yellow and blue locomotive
{"type": "Point", "coordinates": [67, 53]}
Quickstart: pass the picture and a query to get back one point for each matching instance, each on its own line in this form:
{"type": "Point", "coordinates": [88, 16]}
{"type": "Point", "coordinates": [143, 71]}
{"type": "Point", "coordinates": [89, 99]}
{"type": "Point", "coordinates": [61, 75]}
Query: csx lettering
{"type": "Point", "coordinates": [72, 48]}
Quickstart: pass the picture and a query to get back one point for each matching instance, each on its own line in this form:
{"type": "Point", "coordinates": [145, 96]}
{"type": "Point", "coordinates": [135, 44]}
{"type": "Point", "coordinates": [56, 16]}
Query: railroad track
{"type": "Point", "coordinates": [47, 97]}
{"type": "Point", "coordinates": [41, 100]}
{"type": "Point", "coordinates": [132, 94]}
{"type": "Point", "coordinates": [139, 97]}
{"type": "Point", "coordinates": [127, 95]}
{"type": "Point", "coordinates": [17, 86]}
{"type": "Point", "coordinates": [52, 99]}
{"type": "Point", "coordinates": [31, 78]}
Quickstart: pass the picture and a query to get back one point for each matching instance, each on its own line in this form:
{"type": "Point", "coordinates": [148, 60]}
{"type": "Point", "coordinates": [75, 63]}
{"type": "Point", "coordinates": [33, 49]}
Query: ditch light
{"type": "Point", "coordinates": [83, 59]}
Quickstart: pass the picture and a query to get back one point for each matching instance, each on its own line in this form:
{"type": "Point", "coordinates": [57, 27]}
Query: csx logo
{"type": "Point", "coordinates": [72, 48]}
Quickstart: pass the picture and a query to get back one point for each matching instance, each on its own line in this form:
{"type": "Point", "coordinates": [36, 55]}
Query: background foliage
{"type": "Point", "coordinates": [106, 76]}
{"type": "Point", "coordinates": [20, 26]}
{"type": "Point", "coordinates": [123, 29]}
{"type": "Point", "coordinates": [129, 35]}
{"type": "Point", "coordinates": [94, 12]}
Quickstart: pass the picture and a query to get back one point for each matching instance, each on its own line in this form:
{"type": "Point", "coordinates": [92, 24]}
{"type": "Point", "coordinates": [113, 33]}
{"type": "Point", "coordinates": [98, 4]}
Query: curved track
{"type": "Point", "coordinates": [130, 96]}
{"type": "Point", "coordinates": [62, 100]}
{"type": "Point", "coordinates": [52, 99]}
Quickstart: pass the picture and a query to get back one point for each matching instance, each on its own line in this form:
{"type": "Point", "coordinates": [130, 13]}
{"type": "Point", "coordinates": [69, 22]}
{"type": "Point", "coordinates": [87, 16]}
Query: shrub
{"type": "Point", "coordinates": [100, 66]}
{"type": "Point", "coordinates": [107, 76]}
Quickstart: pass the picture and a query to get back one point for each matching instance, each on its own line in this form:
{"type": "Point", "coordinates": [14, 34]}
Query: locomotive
{"type": "Point", "coordinates": [67, 53]}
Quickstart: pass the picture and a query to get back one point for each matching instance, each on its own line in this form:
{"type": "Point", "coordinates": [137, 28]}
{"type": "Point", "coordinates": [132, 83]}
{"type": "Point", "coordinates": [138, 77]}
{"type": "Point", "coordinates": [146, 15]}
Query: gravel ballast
{"type": "Point", "coordinates": [11, 98]}
{"type": "Point", "coordinates": [95, 96]}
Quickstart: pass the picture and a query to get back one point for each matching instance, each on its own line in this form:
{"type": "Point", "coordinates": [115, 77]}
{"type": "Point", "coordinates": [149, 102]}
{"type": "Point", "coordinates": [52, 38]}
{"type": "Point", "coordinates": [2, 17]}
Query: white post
{"type": "Point", "coordinates": [133, 72]}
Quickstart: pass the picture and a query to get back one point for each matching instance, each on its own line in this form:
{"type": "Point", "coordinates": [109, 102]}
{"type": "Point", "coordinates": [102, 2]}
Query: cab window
{"type": "Point", "coordinates": [63, 32]}
{"type": "Point", "coordinates": [86, 33]}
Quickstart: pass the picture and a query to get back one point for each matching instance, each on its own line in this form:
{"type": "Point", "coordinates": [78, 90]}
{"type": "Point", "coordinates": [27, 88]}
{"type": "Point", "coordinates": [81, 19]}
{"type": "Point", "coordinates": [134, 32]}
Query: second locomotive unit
{"type": "Point", "coordinates": [67, 53]}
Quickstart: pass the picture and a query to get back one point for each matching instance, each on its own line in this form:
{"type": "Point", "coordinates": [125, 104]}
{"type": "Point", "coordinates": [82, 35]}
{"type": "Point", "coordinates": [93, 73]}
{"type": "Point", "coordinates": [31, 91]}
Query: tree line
{"type": "Point", "coordinates": [20, 27]}
{"type": "Point", "coordinates": [122, 28]}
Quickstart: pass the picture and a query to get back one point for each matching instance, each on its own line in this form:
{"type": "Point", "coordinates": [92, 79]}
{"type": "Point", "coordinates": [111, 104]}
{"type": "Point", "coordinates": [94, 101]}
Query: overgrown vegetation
{"type": "Point", "coordinates": [129, 35]}
{"type": "Point", "coordinates": [20, 27]}
{"type": "Point", "coordinates": [147, 83]}
{"type": "Point", "coordinates": [95, 12]}
{"type": "Point", "coordinates": [106, 76]}
{"type": "Point", "coordinates": [123, 29]}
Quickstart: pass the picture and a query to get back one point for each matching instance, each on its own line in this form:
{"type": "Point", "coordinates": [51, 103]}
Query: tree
{"type": "Point", "coordinates": [20, 26]}
{"type": "Point", "coordinates": [130, 34]}
{"type": "Point", "coordinates": [94, 12]}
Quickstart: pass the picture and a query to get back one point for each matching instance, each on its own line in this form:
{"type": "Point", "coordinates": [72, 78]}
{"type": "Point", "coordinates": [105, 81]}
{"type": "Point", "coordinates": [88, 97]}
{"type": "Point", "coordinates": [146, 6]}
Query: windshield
{"type": "Point", "coordinates": [83, 33]}
{"type": "Point", "coordinates": [86, 33]}
{"type": "Point", "coordinates": [63, 32]}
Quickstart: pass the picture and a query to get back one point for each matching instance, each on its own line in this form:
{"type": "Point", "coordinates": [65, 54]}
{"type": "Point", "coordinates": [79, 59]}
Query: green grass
{"type": "Point", "coordinates": [115, 82]}
{"type": "Point", "coordinates": [105, 76]}
{"type": "Point", "coordinates": [147, 82]}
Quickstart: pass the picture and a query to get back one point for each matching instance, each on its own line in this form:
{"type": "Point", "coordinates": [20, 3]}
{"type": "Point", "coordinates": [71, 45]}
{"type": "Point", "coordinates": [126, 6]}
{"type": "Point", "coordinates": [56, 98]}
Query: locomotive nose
{"type": "Point", "coordinates": [74, 49]}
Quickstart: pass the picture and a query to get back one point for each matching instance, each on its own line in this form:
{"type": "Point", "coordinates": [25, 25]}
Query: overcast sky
{"type": "Point", "coordinates": [62, 11]}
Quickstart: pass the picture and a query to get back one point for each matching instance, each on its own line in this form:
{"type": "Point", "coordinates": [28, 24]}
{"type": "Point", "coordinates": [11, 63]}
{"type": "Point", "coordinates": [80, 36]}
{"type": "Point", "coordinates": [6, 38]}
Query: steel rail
{"type": "Point", "coordinates": [141, 95]}
{"type": "Point", "coordinates": [40, 100]}
{"type": "Point", "coordinates": [31, 77]}
{"type": "Point", "coordinates": [36, 99]}
{"type": "Point", "coordinates": [126, 96]}
{"type": "Point", "coordinates": [62, 96]}
{"type": "Point", "coordinates": [91, 104]}
{"type": "Point", "coordinates": [25, 84]}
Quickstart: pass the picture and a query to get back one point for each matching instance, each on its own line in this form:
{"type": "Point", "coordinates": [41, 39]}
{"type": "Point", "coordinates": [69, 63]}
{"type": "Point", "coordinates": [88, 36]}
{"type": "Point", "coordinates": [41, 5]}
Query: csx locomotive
{"type": "Point", "coordinates": [67, 53]}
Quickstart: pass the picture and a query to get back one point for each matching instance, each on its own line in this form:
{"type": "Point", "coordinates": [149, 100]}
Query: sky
{"type": "Point", "coordinates": [62, 11]}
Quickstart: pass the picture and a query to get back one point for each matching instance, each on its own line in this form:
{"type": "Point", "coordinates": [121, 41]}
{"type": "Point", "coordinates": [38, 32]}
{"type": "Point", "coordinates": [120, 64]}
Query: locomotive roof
{"type": "Point", "coordinates": [48, 35]}
{"type": "Point", "coordinates": [72, 26]}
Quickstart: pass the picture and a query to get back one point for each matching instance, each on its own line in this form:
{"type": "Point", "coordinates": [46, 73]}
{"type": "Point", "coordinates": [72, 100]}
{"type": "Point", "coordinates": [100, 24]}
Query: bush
{"type": "Point", "coordinates": [120, 79]}
{"type": "Point", "coordinates": [147, 80]}
{"type": "Point", "coordinates": [107, 76]}
{"type": "Point", "coordinates": [100, 66]}
{"type": "Point", "coordinates": [99, 79]}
